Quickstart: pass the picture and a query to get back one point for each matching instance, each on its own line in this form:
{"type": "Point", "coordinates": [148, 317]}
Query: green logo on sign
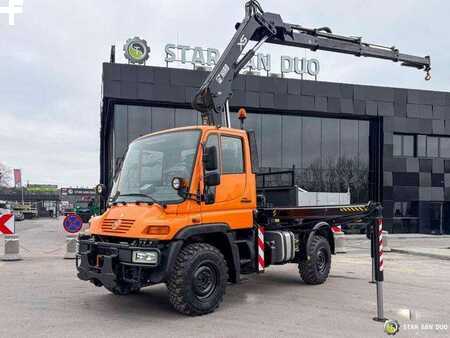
{"type": "Point", "coordinates": [136, 50]}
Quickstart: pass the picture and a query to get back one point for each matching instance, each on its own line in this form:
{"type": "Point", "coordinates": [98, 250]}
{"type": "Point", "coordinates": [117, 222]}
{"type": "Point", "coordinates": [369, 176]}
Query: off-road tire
{"type": "Point", "coordinates": [316, 268]}
{"type": "Point", "coordinates": [197, 282]}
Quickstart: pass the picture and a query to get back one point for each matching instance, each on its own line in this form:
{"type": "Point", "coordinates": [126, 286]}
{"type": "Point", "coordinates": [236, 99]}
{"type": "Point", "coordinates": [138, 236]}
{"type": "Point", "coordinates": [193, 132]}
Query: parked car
{"type": "Point", "coordinates": [18, 215]}
{"type": "Point", "coordinates": [4, 208]}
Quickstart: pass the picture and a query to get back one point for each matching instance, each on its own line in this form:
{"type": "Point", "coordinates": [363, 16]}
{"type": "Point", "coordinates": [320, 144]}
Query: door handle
{"type": "Point", "coordinates": [246, 200]}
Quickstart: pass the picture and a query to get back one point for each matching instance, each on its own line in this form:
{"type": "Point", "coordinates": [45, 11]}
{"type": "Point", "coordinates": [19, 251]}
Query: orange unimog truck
{"type": "Point", "coordinates": [185, 209]}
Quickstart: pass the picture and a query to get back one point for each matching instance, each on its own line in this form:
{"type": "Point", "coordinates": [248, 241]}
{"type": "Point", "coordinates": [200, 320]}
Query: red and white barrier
{"type": "Point", "coordinates": [380, 244]}
{"type": "Point", "coordinates": [7, 224]}
{"type": "Point", "coordinates": [261, 263]}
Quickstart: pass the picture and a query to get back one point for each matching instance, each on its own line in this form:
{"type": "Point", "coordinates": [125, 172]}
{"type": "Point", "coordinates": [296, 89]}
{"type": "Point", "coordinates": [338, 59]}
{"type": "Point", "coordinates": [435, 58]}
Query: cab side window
{"type": "Point", "coordinates": [232, 155]}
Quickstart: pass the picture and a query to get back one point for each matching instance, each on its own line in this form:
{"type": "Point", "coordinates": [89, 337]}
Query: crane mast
{"type": "Point", "coordinates": [264, 27]}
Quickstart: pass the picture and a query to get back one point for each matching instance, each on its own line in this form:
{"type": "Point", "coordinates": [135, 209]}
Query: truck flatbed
{"type": "Point", "coordinates": [277, 192]}
{"type": "Point", "coordinates": [304, 216]}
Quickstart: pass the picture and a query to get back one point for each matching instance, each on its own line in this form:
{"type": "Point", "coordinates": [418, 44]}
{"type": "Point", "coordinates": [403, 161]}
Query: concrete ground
{"type": "Point", "coordinates": [41, 297]}
{"type": "Point", "coordinates": [434, 246]}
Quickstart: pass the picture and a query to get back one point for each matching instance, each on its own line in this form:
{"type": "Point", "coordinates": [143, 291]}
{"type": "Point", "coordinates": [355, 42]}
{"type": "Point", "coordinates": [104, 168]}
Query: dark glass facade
{"type": "Point", "coordinates": [384, 144]}
{"type": "Point", "coordinates": [328, 154]}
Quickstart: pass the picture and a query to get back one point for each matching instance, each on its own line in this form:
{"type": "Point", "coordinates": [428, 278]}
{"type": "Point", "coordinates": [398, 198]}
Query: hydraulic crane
{"type": "Point", "coordinates": [212, 98]}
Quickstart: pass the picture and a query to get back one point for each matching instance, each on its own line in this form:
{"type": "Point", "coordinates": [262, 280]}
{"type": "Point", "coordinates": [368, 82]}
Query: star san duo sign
{"type": "Point", "coordinates": [136, 50]}
{"type": "Point", "coordinates": [199, 56]}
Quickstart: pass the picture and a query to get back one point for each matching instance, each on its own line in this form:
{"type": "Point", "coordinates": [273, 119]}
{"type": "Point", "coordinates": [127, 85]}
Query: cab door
{"type": "Point", "coordinates": [233, 178]}
{"type": "Point", "coordinates": [231, 204]}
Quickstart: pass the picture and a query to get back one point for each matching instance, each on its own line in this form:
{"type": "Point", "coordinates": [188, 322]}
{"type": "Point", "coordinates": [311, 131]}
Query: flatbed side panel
{"type": "Point", "coordinates": [300, 212]}
{"type": "Point", "coordinates": [302, 215]}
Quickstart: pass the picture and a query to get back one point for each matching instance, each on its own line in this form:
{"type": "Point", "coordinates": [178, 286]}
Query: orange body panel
{"type": "Point", "coordinates": [234, 206]}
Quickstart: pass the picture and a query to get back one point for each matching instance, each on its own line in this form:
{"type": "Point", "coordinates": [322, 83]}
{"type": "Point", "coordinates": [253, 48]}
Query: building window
{"type": "Point", "coordinates": [444, 147]}
{"type": "Point", "coordinates": [421, 145]}
{"type": "Point", "coordinates": [404, 145]}
{"type": "Point", "coordinates": [405, 209]}
{"type": "Point", "coordinates": [271, 147]}
{"type": "Point", "coordinates": [432, 146]}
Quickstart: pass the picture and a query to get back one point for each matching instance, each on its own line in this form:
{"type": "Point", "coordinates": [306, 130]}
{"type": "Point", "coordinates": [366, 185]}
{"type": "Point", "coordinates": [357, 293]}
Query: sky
{"type": "Point", "coordinates": [51, 61]}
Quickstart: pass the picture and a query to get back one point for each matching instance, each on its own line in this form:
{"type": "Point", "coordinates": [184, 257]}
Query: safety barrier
{"type": "Point", "coordinates": [12, 248]}
{"type": "Point", "coordinates": [378, 261]}
{"type": "Point", "coordinates": [71, 246]}
{"type": "Point", "coordinates": [339, 240]}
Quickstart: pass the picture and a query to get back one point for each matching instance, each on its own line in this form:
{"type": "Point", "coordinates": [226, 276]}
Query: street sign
{"type": "Point", "coordinates": [72, 223]}
{"type": "Point", "coordinates": [7, 224]}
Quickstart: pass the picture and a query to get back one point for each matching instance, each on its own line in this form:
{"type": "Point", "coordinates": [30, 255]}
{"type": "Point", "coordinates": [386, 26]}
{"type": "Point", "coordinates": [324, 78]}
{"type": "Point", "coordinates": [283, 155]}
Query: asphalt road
{"type": "Point", "coordinates": [41, 297]}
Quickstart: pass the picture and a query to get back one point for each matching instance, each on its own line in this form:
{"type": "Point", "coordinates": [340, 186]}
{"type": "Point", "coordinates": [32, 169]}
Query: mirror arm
{"type": "Point", "coordinates": [194, 197]}
{"type": "Point", "coordinates": [197, 197]}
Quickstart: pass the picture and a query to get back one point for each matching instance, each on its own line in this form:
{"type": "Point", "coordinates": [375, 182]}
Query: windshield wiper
{"type": "Point", "coordinates": [138, 195]}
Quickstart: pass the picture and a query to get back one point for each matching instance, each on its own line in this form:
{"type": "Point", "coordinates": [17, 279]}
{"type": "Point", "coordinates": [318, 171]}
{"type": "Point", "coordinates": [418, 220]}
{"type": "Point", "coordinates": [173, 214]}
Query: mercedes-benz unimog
{"type": "Point", "coordinates": [185, 209]}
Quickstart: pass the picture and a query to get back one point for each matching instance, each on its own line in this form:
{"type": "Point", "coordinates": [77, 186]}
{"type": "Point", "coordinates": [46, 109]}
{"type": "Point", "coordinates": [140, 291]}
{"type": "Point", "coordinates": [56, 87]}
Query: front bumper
{"type": "Point", "coordinates": [110, 264]}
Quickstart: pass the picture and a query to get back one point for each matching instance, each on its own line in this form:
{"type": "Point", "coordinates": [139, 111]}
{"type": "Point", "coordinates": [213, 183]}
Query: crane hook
{"type": "Point", "coordinates": [428, 76]}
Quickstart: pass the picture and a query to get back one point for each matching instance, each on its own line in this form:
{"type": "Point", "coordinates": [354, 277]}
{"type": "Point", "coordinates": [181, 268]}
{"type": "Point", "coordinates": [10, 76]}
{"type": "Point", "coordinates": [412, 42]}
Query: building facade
{"type": "Point", "coordinates": [383, 144]}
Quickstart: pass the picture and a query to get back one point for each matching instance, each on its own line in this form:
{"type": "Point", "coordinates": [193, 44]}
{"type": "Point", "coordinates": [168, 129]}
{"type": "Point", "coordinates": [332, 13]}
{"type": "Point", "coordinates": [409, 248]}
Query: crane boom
{"type": "Point", "coordinates": [259, 26]}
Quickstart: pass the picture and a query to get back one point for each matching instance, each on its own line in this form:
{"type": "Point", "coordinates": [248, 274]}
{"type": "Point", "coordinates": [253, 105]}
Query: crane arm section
{"type": "Point", "coordinates": [262, 27]}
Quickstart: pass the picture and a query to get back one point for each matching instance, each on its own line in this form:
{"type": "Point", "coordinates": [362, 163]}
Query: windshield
{"type": "Point", "coordinates": [150, 165]}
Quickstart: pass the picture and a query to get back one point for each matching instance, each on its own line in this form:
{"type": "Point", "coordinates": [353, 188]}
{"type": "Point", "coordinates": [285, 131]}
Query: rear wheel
{"type": "Point", "coordinates": [316, 268]}
{"type": "Point", "coordinates": [197, 283]}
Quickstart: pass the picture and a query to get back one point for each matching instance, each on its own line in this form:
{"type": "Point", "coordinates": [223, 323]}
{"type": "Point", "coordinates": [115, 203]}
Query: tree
{"type": "Point", "coordinates": [337, 176]}
{"type": "Point", "coordinates": [5, 175]}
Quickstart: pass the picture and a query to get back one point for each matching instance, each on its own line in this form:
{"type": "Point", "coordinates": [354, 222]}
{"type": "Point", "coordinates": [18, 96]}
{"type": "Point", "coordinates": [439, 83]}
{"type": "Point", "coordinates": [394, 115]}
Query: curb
{"type": "Point", "coordinates": [396, 236]}
{"type": "Point", "coordinates": [423, 254]}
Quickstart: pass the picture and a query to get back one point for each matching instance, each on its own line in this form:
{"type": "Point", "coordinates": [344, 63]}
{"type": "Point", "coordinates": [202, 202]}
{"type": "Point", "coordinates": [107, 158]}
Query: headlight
{"type": "Point", "coordinates": [100, 189]}
{"type": "Point", "coordinates": [176, 183]}
{"type": "Point", "coordinates": [145, 257]}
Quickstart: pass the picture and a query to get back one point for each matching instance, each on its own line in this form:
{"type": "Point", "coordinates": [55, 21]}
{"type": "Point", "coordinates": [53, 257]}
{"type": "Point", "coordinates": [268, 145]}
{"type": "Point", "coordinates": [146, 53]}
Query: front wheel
{"type": "Point", "coordinates": [316, 268]}
{"type": "Point", "coordinates": [197, 283]}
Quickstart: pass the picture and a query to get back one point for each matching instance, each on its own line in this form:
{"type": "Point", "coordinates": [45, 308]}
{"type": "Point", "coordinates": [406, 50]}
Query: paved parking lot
{"type": "Point", "coordinates": [41, 297]}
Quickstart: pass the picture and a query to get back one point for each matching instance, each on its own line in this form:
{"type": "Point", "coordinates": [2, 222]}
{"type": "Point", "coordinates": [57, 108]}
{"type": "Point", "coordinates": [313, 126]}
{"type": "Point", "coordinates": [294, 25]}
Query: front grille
{"type": "Point", "coordinates": [117, 226]}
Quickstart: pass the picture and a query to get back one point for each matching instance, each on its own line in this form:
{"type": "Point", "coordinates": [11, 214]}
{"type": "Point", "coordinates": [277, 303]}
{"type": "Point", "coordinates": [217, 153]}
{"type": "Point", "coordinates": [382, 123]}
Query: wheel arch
{"type": "Point", "coordinates": [218, 235]}
{"type": "Point", "coordinates": [322, 229]}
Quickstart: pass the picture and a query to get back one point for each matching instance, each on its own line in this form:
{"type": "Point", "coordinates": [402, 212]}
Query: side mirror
{"type": "Point", "coordinates": [212, 179]}
{"type": "Point", "coordinates": [100, 189]}
{"type": "Point", "coordinates": [210, 158]}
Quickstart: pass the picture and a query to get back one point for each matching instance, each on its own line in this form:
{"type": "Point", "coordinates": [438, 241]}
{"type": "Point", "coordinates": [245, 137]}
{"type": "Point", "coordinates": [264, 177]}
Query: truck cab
{"type": "Point", "coordinates": [170, 177]}
{"type": "Point", "coordinates": [178, 189]}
